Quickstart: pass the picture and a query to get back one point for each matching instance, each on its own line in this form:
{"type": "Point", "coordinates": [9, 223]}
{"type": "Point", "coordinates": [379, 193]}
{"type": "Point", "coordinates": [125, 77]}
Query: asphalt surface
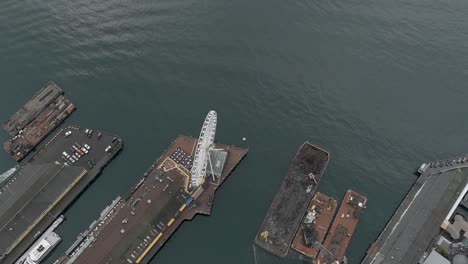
{"type": "Point", "coordinates": [417, 221]}
{"type": "Point", "coordinates": [24, 200]}
{"type": "Point", "coordinates": [44, 186]}
{"type": "Point", "coordinates": [140, 223]}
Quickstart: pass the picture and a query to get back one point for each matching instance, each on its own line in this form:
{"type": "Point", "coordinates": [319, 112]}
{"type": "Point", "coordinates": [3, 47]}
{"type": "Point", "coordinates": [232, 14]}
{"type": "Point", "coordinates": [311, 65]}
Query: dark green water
{"type": "Point", "coordinates": [380, 84]}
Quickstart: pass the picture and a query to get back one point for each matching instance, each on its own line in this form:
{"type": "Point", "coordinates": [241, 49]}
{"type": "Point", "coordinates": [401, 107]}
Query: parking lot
{"type": "Point", "coordinates": [97, 141]}
{"type": "Point", "coordinates": [48, 182]}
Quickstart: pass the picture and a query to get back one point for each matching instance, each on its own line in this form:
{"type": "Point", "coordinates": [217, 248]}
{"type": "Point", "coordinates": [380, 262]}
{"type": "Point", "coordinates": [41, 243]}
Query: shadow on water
{"type": "Point", "coordinates": [261, 256]}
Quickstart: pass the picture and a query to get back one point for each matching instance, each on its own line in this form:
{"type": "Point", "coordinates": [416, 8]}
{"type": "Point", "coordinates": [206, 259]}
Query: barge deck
{"type": "Point", "coordinates": [284, 216]}
{"type": "Point", "coordinates": [315, 225]}
{"type": "Point", "coordinates": [342, 228]}
{"type": "Point", "coordinates": [44, 112]}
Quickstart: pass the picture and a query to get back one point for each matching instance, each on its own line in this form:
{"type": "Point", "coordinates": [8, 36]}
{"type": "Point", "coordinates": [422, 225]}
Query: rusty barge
{"type": "Point", "coordinates": [315, 225]}
{"type": "Point", "coordinates": [34, 194]}
{"type": "Point", "coordinates": [342, 228]}
{"type": "Point", "coordinates": [44, 112]}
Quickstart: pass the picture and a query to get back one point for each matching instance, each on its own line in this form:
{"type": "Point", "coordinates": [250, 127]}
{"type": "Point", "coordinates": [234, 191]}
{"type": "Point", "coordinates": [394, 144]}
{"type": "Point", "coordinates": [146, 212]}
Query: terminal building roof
{"type": "Point", "coordinates": [436, 258]}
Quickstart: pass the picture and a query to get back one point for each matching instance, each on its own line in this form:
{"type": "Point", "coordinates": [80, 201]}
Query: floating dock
{"type": "Point", "coordinates": [284, 216]}
{"type": "Point", "coordinates": [47, 109]}
{"type": "Point", "coordinates": [342, 228]}
{"type": "Point", "coordinates": [37, 193]}
{"type": "Point", "coordinates": [315, 225]}
{"type": "Point", "coordinates": [135, 226]}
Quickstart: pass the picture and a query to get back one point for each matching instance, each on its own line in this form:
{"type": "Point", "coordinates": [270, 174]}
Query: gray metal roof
{"type": "Point", "coordinates": [436, 258]}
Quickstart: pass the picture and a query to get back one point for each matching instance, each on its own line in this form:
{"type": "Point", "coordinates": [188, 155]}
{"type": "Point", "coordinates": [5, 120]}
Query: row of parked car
{"type": "Point", "coordinates": [77, 151]}
{"type": "Point", "coordinates": [449, 162]}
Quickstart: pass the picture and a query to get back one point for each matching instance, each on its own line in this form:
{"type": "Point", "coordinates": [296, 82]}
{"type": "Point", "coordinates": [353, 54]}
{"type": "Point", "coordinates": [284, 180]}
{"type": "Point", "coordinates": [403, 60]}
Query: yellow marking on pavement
{"type": "Point", "coordinates": [148, 248]}
{"type": "Point", "coordinates": [25, 233]}
{"type": "Point", "coordinates": [170, 222]}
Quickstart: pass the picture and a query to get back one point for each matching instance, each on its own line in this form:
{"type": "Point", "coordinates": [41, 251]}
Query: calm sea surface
{"type": "Point", "coordinates": [380, 84]}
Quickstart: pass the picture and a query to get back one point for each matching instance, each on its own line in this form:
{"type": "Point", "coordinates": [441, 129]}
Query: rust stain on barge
{"type": "Point", "coordinates": [343, 227]}
{"type": "Point", "coordinates": [36, 119]}
{"type": "Point", "coordinates": [287, 209]}
{"type": "Point", "coordinates": [321, 211]}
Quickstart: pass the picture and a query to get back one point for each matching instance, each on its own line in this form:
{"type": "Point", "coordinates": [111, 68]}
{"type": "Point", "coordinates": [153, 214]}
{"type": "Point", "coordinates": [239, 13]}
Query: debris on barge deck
{"type": "Point", "coordinates": [342, 228]}
{"type": "Point", "coordinates": [44, 112]}
{"type": "Point", "coordinates": [315, 225]}
{"type": "Point", "coordinates": [284, 216]}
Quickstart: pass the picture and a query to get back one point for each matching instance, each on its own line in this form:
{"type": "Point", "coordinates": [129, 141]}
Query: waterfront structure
{"type": "Point", "coordinates": [429, 220]}
{"type": "Point", "coordinates": [36, 194]}
{"type": "Point", "coordinates": [43, 246]}
{"type": "Point", "coordinates": [202, 150]}
{"type": "Point", "coordinates": [136, 225]}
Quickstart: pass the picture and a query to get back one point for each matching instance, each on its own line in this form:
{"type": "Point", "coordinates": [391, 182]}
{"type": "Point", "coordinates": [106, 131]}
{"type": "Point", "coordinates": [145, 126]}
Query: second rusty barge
{"type": "Point", "coordinates": [342, 229]}
{"type": "Point", "coordinates": [315, 225]}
